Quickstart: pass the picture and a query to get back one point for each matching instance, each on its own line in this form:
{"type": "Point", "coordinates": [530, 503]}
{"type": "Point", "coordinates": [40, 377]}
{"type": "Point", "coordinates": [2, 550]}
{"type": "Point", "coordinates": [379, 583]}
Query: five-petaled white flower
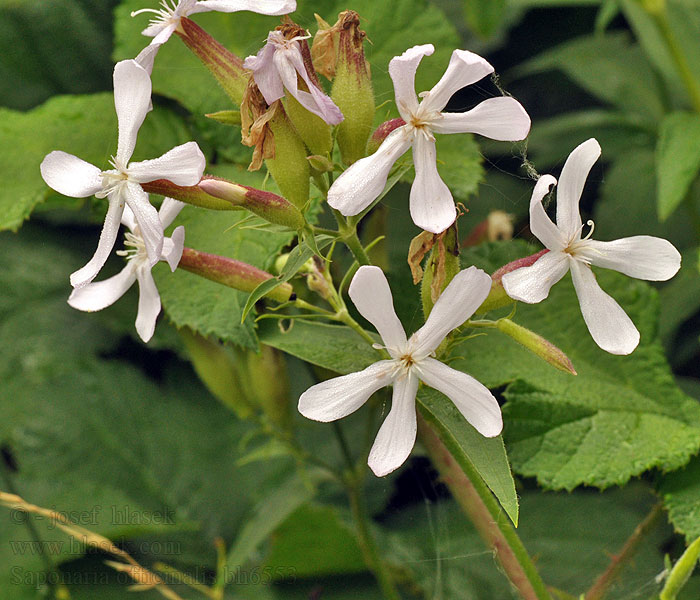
{"type": "Point", "coordinates": [71, 176]}
{"type": "Point", "coordinates": [431, 204]}
{"type": "Point", "coordinates": [167, 19]}
{"type": "Point", "coordinates": [276, 66]}
{"type": "Point", "coordinates": [101, 294]}
{"type": "Point", "coordinates": [642, 256]}
{"type": "Point", "coordinates": [410, 362]}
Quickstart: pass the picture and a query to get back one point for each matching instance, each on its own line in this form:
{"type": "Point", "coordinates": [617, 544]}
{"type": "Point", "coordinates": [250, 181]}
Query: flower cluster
{"type": "Point", "coordinates": [297, 144]}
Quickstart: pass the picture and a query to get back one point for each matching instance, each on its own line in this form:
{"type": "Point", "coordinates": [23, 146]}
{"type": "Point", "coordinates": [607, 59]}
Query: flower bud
{"type": "Point", "coordinates": [315, 132]}
{"type": "Point", "coordinates": [232, 273]}
{"type": "Point", "coordinates": [381, 133]}
{"type": "Point", "coordinates": [352, 89]}
{"type": "Point", "coordinates": [190, 194]}
{"type": "Point", "coordinates": [498, 298]}
{"type": "Point", "coordinates": [536, 344]}
{"type": "Point", "coordinates": [498, 225]}
{"type": "Point", "coordinates": [320, 163]}
{"type": "Point", "coordinates": [269, 206]}
{"type": "Point", "coordinates": [442, 266]}
{"type": "Point", "coordinates": [226, 117]}
{"type": "Point", "coordinates": [225, 66]}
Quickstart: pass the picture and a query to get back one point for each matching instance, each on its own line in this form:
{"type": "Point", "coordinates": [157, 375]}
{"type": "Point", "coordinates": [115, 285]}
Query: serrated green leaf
{"type": "Point", "coordinates": [205, 306]}
{"type": "Point", "coordinates": [619, 417]}
{"type": "Point", "coordinates": [681, 493]}
{"type": "Point", "coordinates": [609, 67]}
{"type": "Point", "coordinates": [677, 159]}
{"type": "Point", "coordinates": [486, 455]}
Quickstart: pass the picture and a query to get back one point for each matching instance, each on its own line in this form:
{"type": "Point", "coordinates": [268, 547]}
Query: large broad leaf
{"type": "Point", "coordinates": [681, 494]}
{"type": "Point", "coordinates": [85, 126]}
{"type": "Point", "coordinates": [677, 159]}
{"type": "Point", "coordinates": [610, 68]}
{"type": "Point", "coordinates": [620, 416]}
{"type": "Point", "coordinates": [56, 47]}
{"type": "Point", "coordinates": [342, 350]}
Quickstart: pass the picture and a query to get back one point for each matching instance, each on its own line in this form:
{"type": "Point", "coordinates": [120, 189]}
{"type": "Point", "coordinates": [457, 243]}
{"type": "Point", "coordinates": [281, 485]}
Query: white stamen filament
{"type": "Point", "coordinates": [137, 250]}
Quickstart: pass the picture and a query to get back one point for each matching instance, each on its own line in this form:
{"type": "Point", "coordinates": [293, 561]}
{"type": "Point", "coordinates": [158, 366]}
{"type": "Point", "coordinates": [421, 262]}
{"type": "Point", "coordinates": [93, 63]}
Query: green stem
{"type": "Point", "coordinates": [492, 524]}
{"type": "Point", "coordinates": [348, 234]}
{"type": "Point", "coordinates": [366, 541]}
{"type": "Point", "coordinates": [691, 84]}
{"type": "Point", "coordinates": [618, 561]}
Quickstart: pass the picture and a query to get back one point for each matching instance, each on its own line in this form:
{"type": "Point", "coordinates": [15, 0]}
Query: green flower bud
{"type": "Point", "coordinates": [226, 117]}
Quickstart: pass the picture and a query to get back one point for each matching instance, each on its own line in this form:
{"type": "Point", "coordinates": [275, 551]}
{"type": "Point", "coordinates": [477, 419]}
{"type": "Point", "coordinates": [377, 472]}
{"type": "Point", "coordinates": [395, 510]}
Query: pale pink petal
{"type": "Point", "coordinates": [501, 118]}
{"type": "Point", "coordinates": [540, 224]}
{"type": "Point", "coordinates": [641, 256]}
{"type": "Point", "coordinates": [472, 399]}
{"type": "Point", "coordinates": [460, 299]}
{"type": "Point", "coordinates": [169, 209]}
{"type": "Point", "coordinates": [108, 236]}
{"type": "Point", "coordinates": [101, 294]}
{"type": "Point", "coordinates": [532, 284]}
{"type": "Point", "coordinates": [173, 247]}
{"type": "Point", "coordinates": [338, 397]}
{"type": "Point", "coordinates": [431, 204]}
{"type": "Point", "coordinates": [361, 183]}
{"type": "Point", "coordinates": [402, 70]}
{"type": "Point", "coordinates": [464, 69]}
{"type": "Point", "coordinates": [265, 7]}
{"type": "Point", "coordinates": [571, 181]}
{"type": "Point", "coordinates": [69, 175]}
{"type": "Point", "coordinates": [146, 216]}
{"type": "Point", "coordinates": [265, 73]}
{"type": "Point", "coordinates": [608, 324]}
{"type": "Point", "coordinates": [132, 99]}
{"type": "Point", "coordinates": [183, 165]}
{"type": "Point", "coordinates": [397, 435]}
{"type": "Point", "coordinates": [316, 101]}
{"type": "Point", "coordinates": [149, 304]}
{"type": "Point", "coordinates": [371, 295]}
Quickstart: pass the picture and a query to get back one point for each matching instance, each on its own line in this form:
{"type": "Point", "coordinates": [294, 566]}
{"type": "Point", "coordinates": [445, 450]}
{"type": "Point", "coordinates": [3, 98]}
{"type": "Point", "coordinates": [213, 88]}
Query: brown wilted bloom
{"type": "Point", "coordinates": [255, 128]}
{"type": "Point", "coordinates": [324, 49]}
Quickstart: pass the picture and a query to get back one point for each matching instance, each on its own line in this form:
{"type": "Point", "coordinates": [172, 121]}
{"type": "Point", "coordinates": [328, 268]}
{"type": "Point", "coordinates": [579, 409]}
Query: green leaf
{"type": "Point", "coordinates": [609, 67]}
{"type": "Point", "coordinates": [205, 306]}
{"type": "Point", "coordinates": [459, 164]}
{"type": "Point", "coordinates": [486, 455]}
{"type": "Point", "coordinates": [677, 159]}
{"type": "Point", "coordinates": [620, 416]}
{"type": "Point", "coordinates": [485, 16]}
{"type": "Point", "coordinates": [681, 493]}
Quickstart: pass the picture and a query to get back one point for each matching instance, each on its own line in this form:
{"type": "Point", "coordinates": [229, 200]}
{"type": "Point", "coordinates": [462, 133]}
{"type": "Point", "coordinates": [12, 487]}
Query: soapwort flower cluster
{"type": "Point", "coordinates": [288, 118]}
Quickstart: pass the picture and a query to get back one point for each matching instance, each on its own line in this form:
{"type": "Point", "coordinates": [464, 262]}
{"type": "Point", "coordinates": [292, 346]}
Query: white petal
{"type": "Point", "coordinates": [338, 397]}
{"type": "Point", "coordinates": [464, 69]}
{"type": "Point", "coordinates": [132, 98]}
{"type": "Point", "coordinates": [183, 165]}
{"type": "Point", "coordinates": [147, 56]}
{"type": "Point", "coordinates": [397, 435]}
{"type": "Point", "coordinates": [361, 183]}
{"type": "Point", "coordinates": [265, 73]}
{"type": "Point", "coordinates": [173, 247]}
{"type": "Point", "coordinates": [69, 175]}
{"type": "Point", "coordinates": [149, 304]}
{"type": "Point", "coordinates": [128, 218]}
{"type": "Point", "coordinates": [608, 324]}
{"type": "Point", "coordinates": [146, 216]}
{"type": "Point", "coordinates": [464, 294]}
{"type": "Point", "coordinates": [169, 209]}
{"type": "Point", "coordinates": [264, 7]}
{"type": "Point", "coordinates": [641, 256]}
{"type": "Point", "coordinates": [108, 236]}
{"type": "Point", "coordinates": [502, 119]}
{"type": "Point", "coordinates": [431, 203]}
{"type": "Point", "coordinates": [532, 284]}
{"type": "Point", "coordinates": [540, 224]}
{"type": "Point", "coordinates": [403, 73]}
{"type": "Point", "coordinates": [371, 295]}
{"type": "Point", "coordinates": [473, 399]}
{"type": "Point", "coordinates": [571, 181]}
{"type": "Point", "coordinates": [162, 33]}
{"type": "Point", "coordinates": [101, 294]}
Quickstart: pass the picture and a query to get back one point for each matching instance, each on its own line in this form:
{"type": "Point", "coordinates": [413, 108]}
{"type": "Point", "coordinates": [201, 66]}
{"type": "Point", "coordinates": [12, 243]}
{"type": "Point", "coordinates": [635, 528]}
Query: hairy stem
{"type": "Point", "coordinates": [618, 561]}
{"type": "Point", "coordinates": [492, 524]}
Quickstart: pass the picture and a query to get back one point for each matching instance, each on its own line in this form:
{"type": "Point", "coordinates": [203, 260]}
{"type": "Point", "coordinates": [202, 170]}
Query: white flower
{"type": "Point", "coordinates": [101, 294]}
{"type": "Point", "coordinates": [71, 176]}
{"type": "Point", "coordinates": [276, 67]}
{"type": "Point", "coordinates": [167, 19]}
{"type": "Point", "coordinates": [410, 362]}
{"type": "Point", "coordinates": [642, 256]}
{"type": "Point", "coordinates": [431, 204]}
